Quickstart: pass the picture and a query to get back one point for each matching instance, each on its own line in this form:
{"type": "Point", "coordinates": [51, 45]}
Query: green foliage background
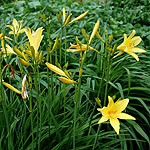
{"type": "Point", "coordinates": [128, 78]}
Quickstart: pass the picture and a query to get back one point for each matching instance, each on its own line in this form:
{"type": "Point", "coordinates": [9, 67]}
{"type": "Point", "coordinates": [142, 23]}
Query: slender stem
{"type": "Point", "coordinates": [37, 100]}
{"type": "Point", "coordinates": [60, 44]}
{"type": "Point", "coordinates": [107, 79]}
{"type": "Point", "coordinates": [31, 117]}
{"type": "Point", "coordinates": [39, 108]}
{"type": "Point", "coordinates": [74, 122]}
{"type": "Point", "coordinates": [65, 44]}
{"type": "Point", "coordinates": [95, 141]}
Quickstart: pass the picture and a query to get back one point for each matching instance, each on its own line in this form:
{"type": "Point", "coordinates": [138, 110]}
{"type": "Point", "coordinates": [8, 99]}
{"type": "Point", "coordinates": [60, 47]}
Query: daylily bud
{"type": "Point", "coordinates": [80, 17]}
{"type": "Point", "coordinates": [77, 40]}
{"type": "Point", "coordinates": [66, 81]}
{"type": "Point", "coordinates": [98, 101]}
{"type": "Point", "coordinates": [106, 33]}
{"type": "Point", "coordinates": [32, 51]}
{"type": "Point", "coordinates": [30, 81]}
{"type": "Point", "coordinates": [59, 16]}
{"type": "Point", "coordinates": [11, 87]}
{"type": "Point", "coordinates": [98, 35]}
{"type": "Point", "coordinates": [94, 31]}
{"type": "Point", "coordinates": [84, 33]}
{"type": "Point", "coordinates": [55, 45]}
{"type": "Point", "coordinates": [41, 57]}
{"type": "Point", "coordinates": [110, 38]}
{"type": "Point", "coordinates": [23, 62]}
{"type": "Point", "coordinates": [18, 52]}
{"type": "Point", "coordinates": [55, 69]}
{"type": "Point", "coordinates": [66, 65]}
{"type": "Point", "coordinates": [66, 72]}
{"type": "Point", "coordinates": [68, 20]}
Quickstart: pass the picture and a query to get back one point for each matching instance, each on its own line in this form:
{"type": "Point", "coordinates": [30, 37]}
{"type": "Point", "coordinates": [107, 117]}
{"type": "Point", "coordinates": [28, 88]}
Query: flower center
{"type": "Point", "coordinates": [112, 114]}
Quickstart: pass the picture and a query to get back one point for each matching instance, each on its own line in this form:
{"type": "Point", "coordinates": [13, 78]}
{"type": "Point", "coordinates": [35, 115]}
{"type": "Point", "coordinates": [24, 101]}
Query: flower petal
{"type": "Point", "coordinates": [120, 53]}
{"type": "Point", "coordinates": [29, 35]}
{"type": "Point", "coordinates": [115, 124]}
{"type": "Point", "coordinates": [111, 102]}
{"type": "Point", "coordinates": [136, 40]}
{"type": "Point", "coordinates": [133, 55]}
{"type": "Point", "coordinates": [103, 119]}
{"type": "Point", "coordinates": [37, 39]}
{"type": "Point", "coordinates": [138, 50]}
{"type": "Point", "coordinates": [125, 116]}
{"type": "Point", "coordinates": [121, 105]}
{"type": "Point", "coordinates": [131, 35]}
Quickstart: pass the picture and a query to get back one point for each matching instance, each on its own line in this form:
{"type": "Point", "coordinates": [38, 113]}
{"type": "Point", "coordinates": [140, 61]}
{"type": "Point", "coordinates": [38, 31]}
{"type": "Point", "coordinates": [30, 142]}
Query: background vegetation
{"type": "Point", "coordinates": [128, 79]}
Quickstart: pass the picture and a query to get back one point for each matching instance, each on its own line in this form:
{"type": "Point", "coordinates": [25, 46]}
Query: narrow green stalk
{"type": "Point", "coordinates": [65, 63]}
{"type": "Point", "coordinates": [31, 117]}
{"type": "Point", "coordinates": [40, 113]}
{"type": "Point", "coordinates": [107, 78]}
{"type": "Point", "coordinates": [95, 141]}
{"type": "Point", "coordinates": [60, 50]}
{"type": "Point", "coordinates": [74, 120]}
{"type": "Point", "coordinates": [10, 139]}
{"type": "Point", "coordinates": [65, 44]}
{"type": "Point", "coordinates": [37, 100]}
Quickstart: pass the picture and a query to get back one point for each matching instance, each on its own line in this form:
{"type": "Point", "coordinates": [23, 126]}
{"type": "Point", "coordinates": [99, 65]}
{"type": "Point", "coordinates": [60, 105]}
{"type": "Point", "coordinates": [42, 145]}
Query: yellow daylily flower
{"type": "Point", "coordinates": [16, 27]}
{"type": "Point", "coordinates": [9, 50]}
{"type": "Point", "coordinates": [35, 38]}
{"type": "Point", "coordinates": [74, 48]}
{"type": "Point", "coordinates": [80, 17]}
{"type": "Point", "coordinates": [66, 81]}
{"type": "Point", "coordinates": [94, 31]}
{"type": "Point", "coordinates": [129, 44]}
{"type": "Point", "coordinates": [113, 112]}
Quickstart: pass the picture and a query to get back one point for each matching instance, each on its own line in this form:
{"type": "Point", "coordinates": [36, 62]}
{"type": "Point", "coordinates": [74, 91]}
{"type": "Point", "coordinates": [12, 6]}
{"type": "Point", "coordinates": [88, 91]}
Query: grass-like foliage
{"type": "Point", "coordinates": [74, 75]}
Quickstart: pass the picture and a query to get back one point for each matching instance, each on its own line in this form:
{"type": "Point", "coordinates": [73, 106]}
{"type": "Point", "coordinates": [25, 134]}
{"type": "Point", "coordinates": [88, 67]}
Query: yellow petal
{"type": "Point", "coordinates": [121, 105]}
{"type": "Point", "coordinates": [11, 27]}
{"type": "Point", "coordinates": [115, 124]}
{"type": "Point", "coordinates": [136, 40]}
{"type": "Point", "coordinates": [55, 69]}
{"type": "Point", "coordinates": [131, 35]}
{"type": "Point", "coordinates": [121, 47]}
{"type": "Point", "coordinates": [133, 55]}
{"type": "Point", "coordinates": [64, 14]}
{"type": "Point", "coordinates": [120, 53]}
{"type": "Point", "coordinates": [111, 102]}
{"type": "Point", "coordinates": [80, 17]}
{"type": "Point", "coordinates": [29, 35]}
{"type": "Point", "coordinates": [125, 116]}
{"type": "Point", "coordinates": [37, 40]}
{"type": "Point", "coordinates": [11, 87]}
{"type": "Point", "coordinates": [66, 81]}
{"type": "Point", "coordinates": [103, 119]}
{"type": "Point", "coordinates": [125, 37]}
{"type": "Point", "coordinates": [94, 31]}
{"type": "Point", "coordinates": [11, 32]}
{"type": "Point", "coordinates": [8, 38]}
{"type": "Point", "coordinates": [138, 50]}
